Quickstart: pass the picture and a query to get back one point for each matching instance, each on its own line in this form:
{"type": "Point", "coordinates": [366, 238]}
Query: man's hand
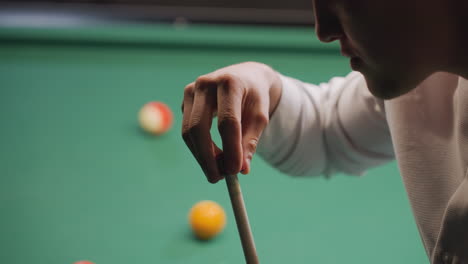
{"type": "Point", "coordinates": [243, 96]}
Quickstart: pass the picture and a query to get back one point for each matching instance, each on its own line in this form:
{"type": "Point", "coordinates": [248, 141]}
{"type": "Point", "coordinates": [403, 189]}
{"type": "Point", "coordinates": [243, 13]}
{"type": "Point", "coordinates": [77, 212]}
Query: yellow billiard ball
{"type": "Point", "coordinates": [207, 219]}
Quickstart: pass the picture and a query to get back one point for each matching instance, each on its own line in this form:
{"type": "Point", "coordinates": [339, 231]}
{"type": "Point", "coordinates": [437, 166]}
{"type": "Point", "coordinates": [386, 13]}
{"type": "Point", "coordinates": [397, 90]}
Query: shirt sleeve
{"type": "Point", "coordinates": [334, 127]}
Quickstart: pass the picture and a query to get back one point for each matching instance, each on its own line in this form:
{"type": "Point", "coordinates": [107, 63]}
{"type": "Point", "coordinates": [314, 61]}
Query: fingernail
{"type": "Point", "coordinates": [246, 167]}
{"type": "Point", "coordinates": [213, 181]}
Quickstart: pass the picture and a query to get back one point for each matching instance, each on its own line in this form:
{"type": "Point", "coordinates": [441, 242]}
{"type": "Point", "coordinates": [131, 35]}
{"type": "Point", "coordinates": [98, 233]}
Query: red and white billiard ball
{"type": "Point", "coordinates": [155, 118]}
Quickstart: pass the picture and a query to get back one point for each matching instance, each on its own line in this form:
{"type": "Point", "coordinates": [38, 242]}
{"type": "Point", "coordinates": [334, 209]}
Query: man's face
{"type": "Point", "coordinates": [389, 41]}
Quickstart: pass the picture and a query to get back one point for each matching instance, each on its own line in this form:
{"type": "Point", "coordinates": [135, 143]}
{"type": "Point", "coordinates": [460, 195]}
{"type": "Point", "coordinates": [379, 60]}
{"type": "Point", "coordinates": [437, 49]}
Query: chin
{"type": "Point", "coordinates": [387, 88]}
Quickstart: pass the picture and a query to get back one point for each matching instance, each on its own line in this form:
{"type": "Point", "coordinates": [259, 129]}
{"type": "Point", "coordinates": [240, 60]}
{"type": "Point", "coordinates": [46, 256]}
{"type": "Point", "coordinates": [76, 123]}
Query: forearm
{"type": "Point", "coordinates": [336, 126]}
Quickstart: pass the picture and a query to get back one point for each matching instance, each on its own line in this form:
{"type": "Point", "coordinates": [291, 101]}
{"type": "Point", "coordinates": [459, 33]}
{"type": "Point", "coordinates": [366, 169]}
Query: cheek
{"type": "Point", "coordinates": [378, 37]}
{"type": "Point", "coordinates": [377, 41]}
{"type": "Point", "coordinates": [386, 50]}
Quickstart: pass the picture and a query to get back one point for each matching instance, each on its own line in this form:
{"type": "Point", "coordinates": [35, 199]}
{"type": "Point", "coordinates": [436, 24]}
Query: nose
{"type": "Point", "coordinates": [327, 24]}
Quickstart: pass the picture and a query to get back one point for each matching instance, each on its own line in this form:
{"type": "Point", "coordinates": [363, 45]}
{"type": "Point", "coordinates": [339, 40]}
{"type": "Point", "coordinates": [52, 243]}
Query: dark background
{"type": "Point", "coordinates": [278, 12]}
{"type": "Point", "coordinates": [261, 4]}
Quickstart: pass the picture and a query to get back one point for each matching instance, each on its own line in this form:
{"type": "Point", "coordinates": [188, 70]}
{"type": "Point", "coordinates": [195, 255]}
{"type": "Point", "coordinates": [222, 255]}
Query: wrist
{"type": "Point", "coordinates": [275, 90]}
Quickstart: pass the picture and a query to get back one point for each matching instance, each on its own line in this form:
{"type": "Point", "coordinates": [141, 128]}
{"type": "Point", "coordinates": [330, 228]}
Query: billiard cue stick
{"type": "Point", "coordinates": [242, 220]}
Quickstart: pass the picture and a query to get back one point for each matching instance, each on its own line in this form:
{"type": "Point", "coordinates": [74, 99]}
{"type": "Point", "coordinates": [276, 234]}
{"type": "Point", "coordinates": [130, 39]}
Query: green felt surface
{"type": "Point", "coordinates": [79, 180]}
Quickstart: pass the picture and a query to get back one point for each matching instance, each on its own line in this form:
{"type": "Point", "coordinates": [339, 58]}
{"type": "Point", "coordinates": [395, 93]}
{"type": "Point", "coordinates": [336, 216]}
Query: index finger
{"type": "Point", "coordinates": [200, 124]}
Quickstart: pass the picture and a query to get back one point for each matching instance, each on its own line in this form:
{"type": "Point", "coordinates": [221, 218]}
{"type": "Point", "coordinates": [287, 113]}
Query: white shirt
{"type": "Point", "coordinates": [340, 127]}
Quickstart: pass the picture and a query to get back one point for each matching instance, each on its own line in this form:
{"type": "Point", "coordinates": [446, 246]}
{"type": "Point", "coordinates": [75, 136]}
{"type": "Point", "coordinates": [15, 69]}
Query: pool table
{"type": "Point", "coordinates": [80, 180]}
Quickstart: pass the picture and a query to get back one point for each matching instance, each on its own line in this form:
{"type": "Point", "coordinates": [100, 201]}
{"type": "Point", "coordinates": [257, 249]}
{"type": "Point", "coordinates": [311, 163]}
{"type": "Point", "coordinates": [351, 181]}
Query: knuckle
{"type": "Point", "coordinates": [228, 82]}
{"type": "Point", "coordinates": [227, 78]}
{"type": "Point", "coordinates": [261, 119]}
{"type": "Point", "coordinates": [204, 83]}
{"type": "Point", "coordinates": [194, 127]}
{"type": "Point", "coordinates": [186, 134]}
{"type": "Point", "coordinates": [188, 91]}
{"type": "Point", "coordinates": [190, 128]}
{"type": "Point", "coordinates": [228, 122]}
{"type": "Point", "coordinates": [251, 144]}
